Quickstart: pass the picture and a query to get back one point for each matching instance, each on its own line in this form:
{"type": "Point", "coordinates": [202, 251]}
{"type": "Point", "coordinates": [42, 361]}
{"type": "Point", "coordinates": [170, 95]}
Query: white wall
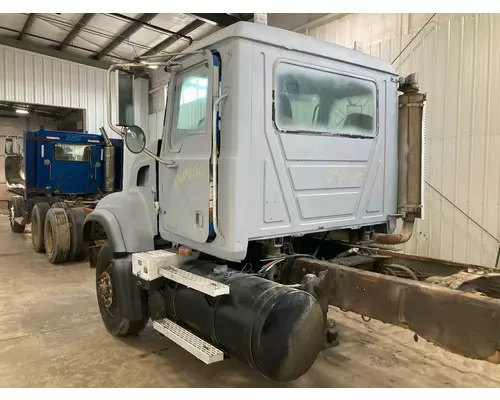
{"type": "Point", "coordinates": [33, 78]}
{"type": "Point", "coordinates": [27, 77]}
{"type": "Point", "coordinates": [458, 64]}
{"type": "Point", "coordinates": [17, 126]}
{"type": "Point", "coordinates": [291, 21]}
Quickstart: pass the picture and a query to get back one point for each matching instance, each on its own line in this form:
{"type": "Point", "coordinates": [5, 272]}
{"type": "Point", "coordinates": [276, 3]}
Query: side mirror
{"type": "Point", "coordinates": [135, 139]}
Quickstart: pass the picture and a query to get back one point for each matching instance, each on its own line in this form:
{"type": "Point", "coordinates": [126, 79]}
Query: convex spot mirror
{"type": "Point", "coordinates": [135, 139]}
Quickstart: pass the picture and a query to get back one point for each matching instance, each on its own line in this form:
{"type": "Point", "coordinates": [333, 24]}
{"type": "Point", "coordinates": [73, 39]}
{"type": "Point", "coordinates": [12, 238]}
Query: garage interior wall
{"type": "Point", "coordinates": [28, 77]}
{"type": "Point", "coordinates": [33, 78]}
{"type": "Point", "coordinates": [458, 66]}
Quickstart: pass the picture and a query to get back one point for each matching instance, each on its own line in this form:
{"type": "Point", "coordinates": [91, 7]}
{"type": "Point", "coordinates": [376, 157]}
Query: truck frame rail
{"type": "Point", "coordinates": [458, 308]}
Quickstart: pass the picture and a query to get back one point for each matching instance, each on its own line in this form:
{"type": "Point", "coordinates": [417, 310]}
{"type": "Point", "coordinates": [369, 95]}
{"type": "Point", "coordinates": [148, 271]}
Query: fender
{"type": "Point", "coordinates": [128, 218]}
{"type": "Point", "coordinates": [110, 225]}
{"type": "Point", "coordinates": [127, 292]}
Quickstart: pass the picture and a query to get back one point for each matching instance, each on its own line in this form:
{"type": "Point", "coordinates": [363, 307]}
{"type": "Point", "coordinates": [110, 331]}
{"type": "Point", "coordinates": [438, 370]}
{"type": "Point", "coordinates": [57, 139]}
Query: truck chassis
{"type": "Point", "coordinates": [56, 225]}
{"type": "Point", "coordinates": [455, 306]}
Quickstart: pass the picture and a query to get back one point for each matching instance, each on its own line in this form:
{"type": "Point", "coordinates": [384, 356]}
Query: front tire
{"type": "Point", "coordinates": [109, 306]}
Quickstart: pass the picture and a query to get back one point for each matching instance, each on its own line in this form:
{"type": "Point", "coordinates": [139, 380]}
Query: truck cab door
{"type": "Point", "coordinates": [187, 140]}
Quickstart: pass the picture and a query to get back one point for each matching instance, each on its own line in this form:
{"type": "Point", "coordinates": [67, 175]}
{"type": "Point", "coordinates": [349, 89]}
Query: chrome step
{"type": "Point", "coordinates": [196, 282]}
{"type": "Point", "coordinates": [188, 341]}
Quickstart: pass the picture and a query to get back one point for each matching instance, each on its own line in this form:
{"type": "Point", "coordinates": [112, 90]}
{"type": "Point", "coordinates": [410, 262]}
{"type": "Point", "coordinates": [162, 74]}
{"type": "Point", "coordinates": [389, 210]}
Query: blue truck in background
{"type": "Point", "coordinates": [56, 178]}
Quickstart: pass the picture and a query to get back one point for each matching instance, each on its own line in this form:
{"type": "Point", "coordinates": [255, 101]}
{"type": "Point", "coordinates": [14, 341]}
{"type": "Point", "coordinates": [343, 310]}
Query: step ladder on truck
{"type": "Point", "coordinates": [56, 178]}
{"type": "Point", "coordinates": [284, 166]}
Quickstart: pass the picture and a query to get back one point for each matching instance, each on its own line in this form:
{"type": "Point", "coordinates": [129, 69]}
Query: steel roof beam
{"type": "Point", "coordinates": [171, 40]}
{"type": "Point", "coordinates": [150, 26]}
{"type": "Point", "coordinates": [52, 52]}
{"type": "Point", "coordinates": [124, 35]}
{"type": "Point", "coordinates": [76, 31]}
{"type": "Point", "coordinates": [27, 26]}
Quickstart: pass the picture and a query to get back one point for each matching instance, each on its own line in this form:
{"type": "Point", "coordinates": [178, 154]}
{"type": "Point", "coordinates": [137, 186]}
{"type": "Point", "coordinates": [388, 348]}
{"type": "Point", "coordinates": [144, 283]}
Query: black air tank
{"type": "Point", "coordinates": [277, 330]}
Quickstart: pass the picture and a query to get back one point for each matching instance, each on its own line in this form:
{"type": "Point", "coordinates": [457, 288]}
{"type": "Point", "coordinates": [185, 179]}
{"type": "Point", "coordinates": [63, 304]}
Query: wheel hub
{"type": "Point", "coordinates": [105, 289]}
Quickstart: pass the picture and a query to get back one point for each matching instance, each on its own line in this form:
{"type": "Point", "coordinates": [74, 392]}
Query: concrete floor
{"type": "Point", "coordinates": [51, 335]}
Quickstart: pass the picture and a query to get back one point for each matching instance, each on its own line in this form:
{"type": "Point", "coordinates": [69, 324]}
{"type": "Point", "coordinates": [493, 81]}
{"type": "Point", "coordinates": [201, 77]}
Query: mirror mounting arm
{"type": "Point", "coordinates": [167, 163]}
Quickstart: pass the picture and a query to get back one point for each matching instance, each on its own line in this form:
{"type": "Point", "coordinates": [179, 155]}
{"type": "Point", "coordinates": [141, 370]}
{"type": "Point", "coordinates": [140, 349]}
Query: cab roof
{"type": "Point", "coordinates": [293, 41]}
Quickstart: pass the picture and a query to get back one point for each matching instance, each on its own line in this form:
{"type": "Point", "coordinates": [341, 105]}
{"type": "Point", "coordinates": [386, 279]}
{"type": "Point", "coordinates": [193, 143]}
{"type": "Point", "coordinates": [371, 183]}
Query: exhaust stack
{"type": "Point", "coordinates": [109, 163]}
{"type": "Point", "coordinates": [410, 164]}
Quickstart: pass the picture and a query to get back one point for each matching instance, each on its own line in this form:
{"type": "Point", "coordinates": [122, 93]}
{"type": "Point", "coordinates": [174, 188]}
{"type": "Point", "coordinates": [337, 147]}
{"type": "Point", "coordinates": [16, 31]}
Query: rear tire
{"type": "Point", "coordinates": [37, 226]}
{"type": "Point", "coordinates": [109, 307]}
{"type": "Point", "coordinates": [57, 236]}
{"type": "Point", "coordinates": [60, 204]}
{"type": "Point", "coordinates": [79, 248]}
{"type": "Point", "coordinates": [14, 226]}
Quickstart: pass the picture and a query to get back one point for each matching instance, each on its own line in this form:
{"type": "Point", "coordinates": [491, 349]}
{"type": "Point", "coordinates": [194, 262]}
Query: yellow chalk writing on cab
{"type": "Point", "coordinates": [190, 173]}
{"type": "Point", "coordinates": [343, 177]}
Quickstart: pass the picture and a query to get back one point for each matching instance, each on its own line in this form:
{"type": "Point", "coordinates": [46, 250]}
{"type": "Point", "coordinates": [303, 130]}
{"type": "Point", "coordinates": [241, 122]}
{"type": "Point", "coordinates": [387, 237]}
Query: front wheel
{"type": "Point", "coordinates": [109, 306]}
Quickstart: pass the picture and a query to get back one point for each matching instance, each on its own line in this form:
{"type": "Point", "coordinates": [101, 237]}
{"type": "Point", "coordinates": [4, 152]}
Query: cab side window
{"type": "Point", "coordinates": [315, 101]}
{"type": "Point", "coordinates": [190, 105]}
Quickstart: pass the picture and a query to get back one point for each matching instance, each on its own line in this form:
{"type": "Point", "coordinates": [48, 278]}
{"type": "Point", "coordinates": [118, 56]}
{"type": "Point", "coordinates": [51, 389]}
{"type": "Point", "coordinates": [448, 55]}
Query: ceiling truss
{"type": "Point", "coordinates": [27, 26]}
{"type": "Point", "coordinates": [101, 58]}
{"type": "Point", "coordinates": [82, 23]}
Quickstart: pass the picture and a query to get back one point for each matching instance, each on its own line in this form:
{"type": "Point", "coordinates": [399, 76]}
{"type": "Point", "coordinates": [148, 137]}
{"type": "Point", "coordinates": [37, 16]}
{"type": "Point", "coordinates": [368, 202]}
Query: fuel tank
{"type": "Point", "coordinates": [277, 330]}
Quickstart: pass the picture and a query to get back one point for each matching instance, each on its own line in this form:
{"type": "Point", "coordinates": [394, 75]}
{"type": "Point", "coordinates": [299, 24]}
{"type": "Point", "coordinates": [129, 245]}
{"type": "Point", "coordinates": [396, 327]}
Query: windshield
{"type": "Point", "coordinates": [310, 100]}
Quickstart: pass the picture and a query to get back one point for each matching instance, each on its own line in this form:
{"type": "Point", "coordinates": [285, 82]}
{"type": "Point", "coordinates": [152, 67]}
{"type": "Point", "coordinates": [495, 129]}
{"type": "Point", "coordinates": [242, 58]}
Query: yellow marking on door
{"type": "Point", "coordinates": [189, 174]}
{"type": "Point", "coordinates": [343, 177]}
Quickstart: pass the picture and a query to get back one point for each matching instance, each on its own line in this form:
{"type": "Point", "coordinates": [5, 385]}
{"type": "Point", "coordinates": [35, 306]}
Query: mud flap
{"type": "Point", "coordinates": [127, 288]}
{"type": "Point", "coordinates": [18, 204]}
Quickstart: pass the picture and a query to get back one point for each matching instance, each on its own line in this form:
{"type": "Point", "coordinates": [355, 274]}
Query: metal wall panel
{"type": "Point", "coordinates": [32, 78]}
{"type": "Point", "coordinates": [458, 68]}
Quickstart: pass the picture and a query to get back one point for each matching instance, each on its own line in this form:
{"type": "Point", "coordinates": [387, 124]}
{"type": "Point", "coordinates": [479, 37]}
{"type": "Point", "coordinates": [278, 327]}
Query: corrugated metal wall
{"type": "Point", "coordinates": [33, 78]}
{"type": "Point", "coordinates": [458, 65]}
{"type": "Point", "coordinates": [27, 77]}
